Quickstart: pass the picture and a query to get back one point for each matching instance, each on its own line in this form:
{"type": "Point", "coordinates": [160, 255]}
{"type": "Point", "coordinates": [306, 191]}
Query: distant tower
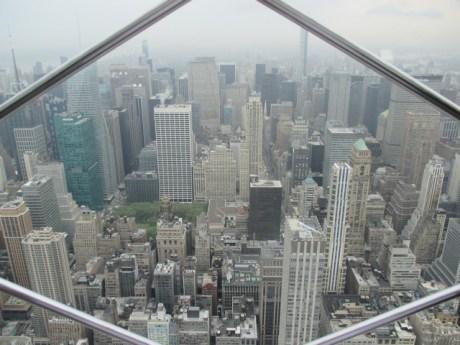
{"type": "Point", "coordinates": [253, 125]}
{"type": "Point", "coordinates": [204, 89]}
{"type": "Point", "coordinates": [303, 52]}
{"type": "Point", "coordinates": [29, 139]}
{"type": "Point", "coordinates": [303, 281]}
{"type": "Point", "coordinates": [419, 139]}
{"type": "Point", "coordinates": [401, 102]}
{"type": "Point", "coordinates": [336, 226]}
{"type": "Point", "coordinates": [339, 97]}
{"type": "Point", "coordinates": [83, 98]}
{"type": "Point", "coordinates": [49, 272]}
{"type": "Point", "coordinates": [360, 162]}
{"type": "Point", "coordinates": [174, 136]}
{"type": "Point", "coordinates": [15, 224]}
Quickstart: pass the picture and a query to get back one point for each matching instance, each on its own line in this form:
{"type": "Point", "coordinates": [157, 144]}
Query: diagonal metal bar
{"type": "Point", "coordinates": [90, 55]}
{"type": "Point", "coordinates": [389, 317]}
{"type": "Point", "coordinates": [364, 56]}
{"type": "Point", "coordinates": [74, 314]}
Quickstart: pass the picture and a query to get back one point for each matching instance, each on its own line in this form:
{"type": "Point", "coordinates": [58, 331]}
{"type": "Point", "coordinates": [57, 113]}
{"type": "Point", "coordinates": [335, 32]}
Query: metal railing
{"type": "Point", "coordinates": [90, 55]}
{"type": "Point", "coordinates": [132, 338]}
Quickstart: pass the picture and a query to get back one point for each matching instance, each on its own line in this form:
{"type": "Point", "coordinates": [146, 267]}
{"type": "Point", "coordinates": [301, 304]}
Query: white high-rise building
{"type": "Point", "coordinates": [339, 97]}
{"type": "Point", "coordinates": [86, 230]}
{"type": "Point", "coordinates": [336, 226]}
{"type": "Point", "coordinates": [49, 272]}
{"type": "Point", "coordinates": [174, 136]}
{"type": "Point", "coordinates": [308, 196]}
{"type": "Point", "coordinates": [29, 139]}
{"type": "Point", "coordinates": [253, 122]}
{"type": "Point", "coordinates": [402, 101]}
{"type": "Point", "coordinates": [304, 266]}
{"type": "Point", "coordinates": [453, 188]}
{"type": "Point", "coordinates": [203, 85]}
{"type": "Point", "coordinates": [360, 162]}
{"type": "Point", "coordinates": [338, 143]}
{"type": "Point", "coordinates": [220, 174]}
{"type": "Point", "coordinates": [83, 97]}
{"type": "Point", "coordinates": [428, 200]}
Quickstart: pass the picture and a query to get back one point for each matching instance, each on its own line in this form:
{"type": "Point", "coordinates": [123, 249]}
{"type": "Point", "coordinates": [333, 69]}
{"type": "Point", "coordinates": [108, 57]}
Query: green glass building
{"type": "Point", "coordinates": [76, 146]}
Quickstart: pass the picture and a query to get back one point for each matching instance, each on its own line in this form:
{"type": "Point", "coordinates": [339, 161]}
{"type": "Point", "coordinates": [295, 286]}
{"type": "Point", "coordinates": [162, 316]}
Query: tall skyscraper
{"type": "Point", "coordinates": [402, 204]}
{"type": "Point", "coordinates": [41, 199]}
{"type": "Point", "coordinates": [453, 187]}
{"type": "Point", "coordinates": [259, 76]}
{"type": "Point", "coordinates": [430, 193]}
{"type": "Point", "coordinates": [204, 89]}
{"type": "Point", "coordinates": [29, 139]}
{"type": "Point", "coordinates": [15, 224]}
{"type": "Point", "coordinates": [86, 230]}
{"type": "Point", "coordinates": [243, 176]}
{"type": "Point", "coordinates": [304, 266]}
{"type": "Point", "coordinates": [419, 139]}
{"type": "Point", "coordinates": [360, 162]}
{"type": "Point", "coordinates": [229, 70]}
{"type": "Point", "coordinates": [338, 145]}
{"type": "Point", "coordinates": [253, 125]}
{"type": "Point", "coordinates": [174, 136]}
{"type": "Point", "coordinates": [336, 226]}
{"type": "Point", "coordinates": [131, 99]}
{"type": "Point", "coordinates": [220, 174]}
{"type": "Point", "coordinates": [164, 284]}
{"type": "Point", "coordinates": [447, 267]}
{"type": "Point", "coordinates": [339, 97]}
{"type": "Point", "coordinates": [126, 76]}
{"type": "Point", "coordinates": [83, 98]}
{"type": "Point", "coordinates": [76, 145]}
{"type": "Point", "coordinates": [49, 272]}
{"type": "Point", "coordinates": [264, 220]}
{"type": "Point", "coordinates": [303, 52]}
{"type": "Point", "coordinates": [112, 119]}
{"type": "Point", "coordinates": [401, 102]}
{"type": "Point", "coordinates": [3, 176]}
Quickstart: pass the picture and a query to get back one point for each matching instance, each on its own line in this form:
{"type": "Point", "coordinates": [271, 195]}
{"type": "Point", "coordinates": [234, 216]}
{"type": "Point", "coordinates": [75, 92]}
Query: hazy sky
{"type": "Point", "coordinates": [43, 30]}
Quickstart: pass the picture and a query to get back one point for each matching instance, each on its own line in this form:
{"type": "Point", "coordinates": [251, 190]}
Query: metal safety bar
{"type": "Point", "coordinates": [389, 316]}
{"type": "Point", "coordinates": [89, 55]}
{"type": "Point", "coordinates": [364, 56]}
{"type": "Point", "coordinates": [74, 314]}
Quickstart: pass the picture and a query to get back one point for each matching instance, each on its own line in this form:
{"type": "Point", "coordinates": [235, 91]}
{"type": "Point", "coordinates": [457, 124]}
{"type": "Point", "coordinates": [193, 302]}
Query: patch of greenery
{"type": "Point", "coordinates": [147, 213]}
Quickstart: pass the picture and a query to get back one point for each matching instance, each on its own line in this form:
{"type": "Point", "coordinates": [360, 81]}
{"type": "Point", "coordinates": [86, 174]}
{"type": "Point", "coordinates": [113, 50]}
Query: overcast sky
{"type": "Point", "coordinates": [44, 30]}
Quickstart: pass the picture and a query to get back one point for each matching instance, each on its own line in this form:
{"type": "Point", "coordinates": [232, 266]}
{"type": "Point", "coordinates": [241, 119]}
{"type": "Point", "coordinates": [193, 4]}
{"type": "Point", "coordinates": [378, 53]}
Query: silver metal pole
{"type": "Point", "coordinates": [74, 314]}
{"type": "Point", "coordinates": [388, 317]}
{"type": "Point", "coordinates": [90, 55]}
{"type": "Point", "coordinates": [364, 56]}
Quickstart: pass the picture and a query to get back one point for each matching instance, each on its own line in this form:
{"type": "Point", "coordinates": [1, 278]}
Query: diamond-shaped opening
{"type": "Point", "coordinates": [244, 168]}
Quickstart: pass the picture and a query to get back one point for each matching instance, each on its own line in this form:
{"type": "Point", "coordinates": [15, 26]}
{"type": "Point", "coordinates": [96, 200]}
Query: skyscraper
{"type": "Point", "coordinates": [420, 136]}
{"type": "Point", "coordinates": [163, 283]}
{"type": "Point", "coordinates": [3, 176]}
{"type": "Point", "coordinates": [15, 224]}
{"type": "Point", "coordinates": [112, 119]}
{"type": "Point", "coordinates": [338, 145]}
{"type": "Point", "coordinates": [361, 164]}
{"type": "Point", "coordinates": [253, 125]}
{"type": "Point", "coordinates": [220, 174]}
{"type": "Point", "coordinates": [259, 76]}
{"type": "Point", "coordinates": [173, 132]}
{"type": "Point", "coordinates": [264, 220]}
{"type": "Point", "coordinates": [204, 89]}
{"type": "Point", "coordinates": [229, 70]}
{"type": "Point", "coordinates": [86, 230]}
{"type": "Point", "coordinates": [304, 266]}
{"type": "Point", "coordinates": [402, 101]}
{"type": "Point", "coordinates": [139, 78]}
{"type": "Point", "coordinates": [303, 52]}
{"type": "Point", "coordinates": [29, 139]}
{"type": "Point", "coordinates": [336, 226]}
{"type": "Point", "coordinates": [49, 272]}
{"type": "Point", "coordinates": [41, 200]}
{"type": "Point", "coordinates": [339, 97]}
{"type": "Point", "coordinates": [243, 176]}
{"type": "Point", "coordinates": [83, 98]}
{"type": "Point", "coordinates": [76, 145]}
